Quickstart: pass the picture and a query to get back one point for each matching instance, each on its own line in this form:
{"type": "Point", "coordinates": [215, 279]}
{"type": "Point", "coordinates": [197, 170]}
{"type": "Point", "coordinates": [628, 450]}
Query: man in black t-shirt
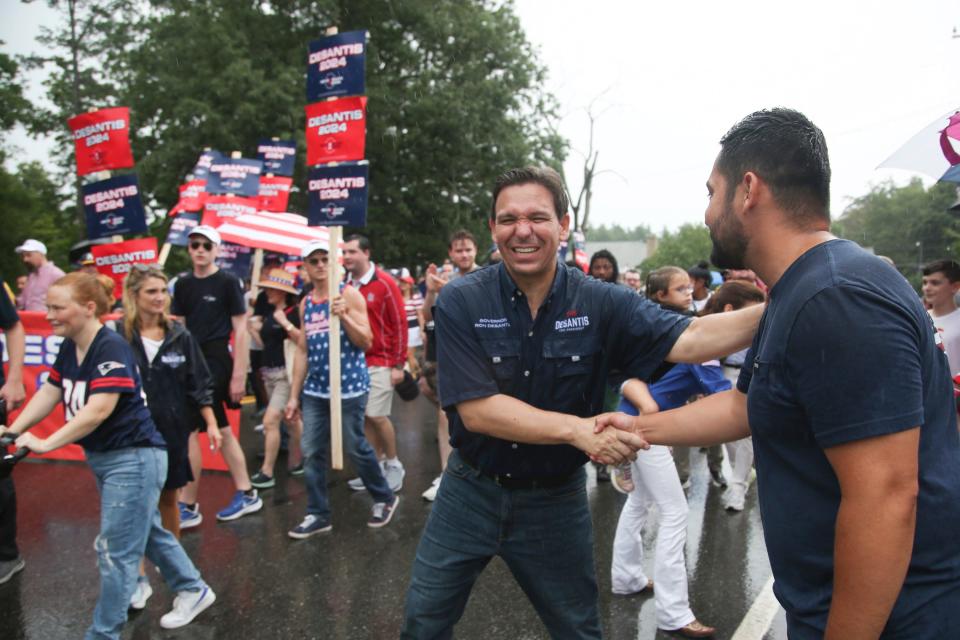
{"type": "Point", "coordinates": [211, 303]}
{"type": "Point", "coordinates": [12, 395]}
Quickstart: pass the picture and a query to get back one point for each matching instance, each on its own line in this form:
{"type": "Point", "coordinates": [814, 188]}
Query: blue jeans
{"type": "Point", "coordinates": [315, 447]}
{"type": "Point", "coordinates": [129, 482]}
{"type": "Point", "coordinates": [545, 536]}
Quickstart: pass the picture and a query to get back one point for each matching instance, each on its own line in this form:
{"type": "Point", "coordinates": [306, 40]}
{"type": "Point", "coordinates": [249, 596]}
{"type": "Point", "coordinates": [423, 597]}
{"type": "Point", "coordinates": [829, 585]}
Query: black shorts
{"type": "Point", "coordinates": [220, 363]}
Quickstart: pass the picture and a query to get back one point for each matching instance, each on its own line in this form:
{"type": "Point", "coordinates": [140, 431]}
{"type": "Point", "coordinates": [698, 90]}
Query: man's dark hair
{"type": "Point", "coordinates": [789, 152]}
{"type": "Point", "coordinates": [461, 234]}
{"type": "Point", "coordinates": [544, 176]}
{"type": "Point", "coordinates": [362, 241]}
{"type": "Point", "coordinates": [949, 268]}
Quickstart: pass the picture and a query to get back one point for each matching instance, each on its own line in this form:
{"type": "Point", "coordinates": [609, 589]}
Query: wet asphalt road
{"type": "Point", "coordinates": [350, 583]}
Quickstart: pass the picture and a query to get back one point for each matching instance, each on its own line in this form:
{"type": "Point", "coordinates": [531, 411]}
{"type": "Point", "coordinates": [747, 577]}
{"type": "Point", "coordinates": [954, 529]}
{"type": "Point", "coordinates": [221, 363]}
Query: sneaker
{"type": "Point", "coordinates": [260, 480]}
{"type": "Point", "coordinates": [717, 479]}
{"type": "Point", "coordinates": [241, 505]}
{"type": "Point", "coordinates": [394, 473]}
{"type": "Point", "coordinates": [685, 484]}
{"type": "Point", "coordinates": [382, 512]}
{"type": "Point", "coordinates": [187, 606]}
{"type": "Point", "coordinates": [297, 470]}
{"type": "Point", "coordinates": [621, 478]}
{"type": "Point", "coordinates": [431, 493]}
{"type": "Point", "coordinates": [356, 484]}
{"type": "Point", "coordinates": [190, 517]}
{"type": "Point", "coordinates": [140, 595]}
{"type": "Point", "coordinates": [311, 524]}
{"type": "Point", "coordinates": [259, 428]}
{"type": "Point", "coordinates": [10, 567]}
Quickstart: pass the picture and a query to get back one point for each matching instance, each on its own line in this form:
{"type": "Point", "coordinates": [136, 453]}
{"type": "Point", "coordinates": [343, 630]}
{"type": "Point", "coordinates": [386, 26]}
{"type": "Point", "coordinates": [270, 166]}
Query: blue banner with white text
{"type": "Point", "coordinates": [113, 207]}
{"type": "Point", "coordinates": [335, 66]}
{"type": "Point", "coordinates": [337, 195]}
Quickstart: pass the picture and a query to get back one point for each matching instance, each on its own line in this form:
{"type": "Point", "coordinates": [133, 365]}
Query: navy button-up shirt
{"type": "Point", "coordinates": [488, 343]}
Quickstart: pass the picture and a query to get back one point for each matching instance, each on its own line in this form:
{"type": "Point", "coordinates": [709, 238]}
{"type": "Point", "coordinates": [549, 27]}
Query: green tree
{"type": "Point", "coordinates": [909, 224]}
{"type": "Point", "coordinates": [616, 233]}
{"type": "Point", "coordinates": [683, 248]}
{"type": "Point", "coordinates": [455, 97]}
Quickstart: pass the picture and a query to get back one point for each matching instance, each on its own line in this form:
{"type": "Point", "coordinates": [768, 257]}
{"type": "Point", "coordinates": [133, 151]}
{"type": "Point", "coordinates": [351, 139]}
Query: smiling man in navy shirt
{"type": "Point", "coordinates": [847, 394]}
{"type": "Point", "coordinates": [524, 349]}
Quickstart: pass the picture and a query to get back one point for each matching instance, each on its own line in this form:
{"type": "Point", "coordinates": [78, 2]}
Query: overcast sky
{"type": "Point", "coordinates": [670, 78]}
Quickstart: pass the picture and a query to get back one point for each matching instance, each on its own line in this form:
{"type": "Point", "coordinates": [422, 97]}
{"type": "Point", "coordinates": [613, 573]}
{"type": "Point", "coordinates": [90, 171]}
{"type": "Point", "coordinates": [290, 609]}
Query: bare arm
{"type": "Point", "coordinates": [434, 284]}
{"type": "Point", "coordinates": [353, 315]}
{"type": "Point", "coordinates": [12, 390]}
{"type": "Point", "coordinates": [299, 370]}
{"type": "Point", "coordinates": [41, 404]}
{"type": "Point", "coordinates": [508, 418]}
{"type": "Point", "coordinates": [718, 418]}
{"type": "Point", "coordinates": [254, 326]}
{"type": "Point", "coordinates": [98, 408]}
{"type": "Point", "coordinates": [874, 533]}
{"type": "Point", "coordinates": [637, 393]}
{"type": "Point", "coordinates": [716, 335]}
{"type": "Point", "coordinates": [241, 357]}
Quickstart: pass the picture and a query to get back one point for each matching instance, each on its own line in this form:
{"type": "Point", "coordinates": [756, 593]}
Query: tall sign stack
{"type": "Point", "coordinates": [112, 204]}
{"type": "Point", "coordinates": [338, 175]}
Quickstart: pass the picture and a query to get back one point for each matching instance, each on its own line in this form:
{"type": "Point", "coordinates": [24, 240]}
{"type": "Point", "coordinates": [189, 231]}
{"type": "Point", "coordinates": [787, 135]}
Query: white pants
{"type": "Point", "coordinates": [657, 482]}
{"type": "Point", "coordinates": [740, 455]}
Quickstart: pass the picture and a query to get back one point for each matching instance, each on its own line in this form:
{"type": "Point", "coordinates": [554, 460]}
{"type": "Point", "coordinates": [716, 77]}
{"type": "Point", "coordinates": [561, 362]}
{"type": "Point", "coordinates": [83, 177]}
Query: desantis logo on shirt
{"type": "Point", "coordinates": [572, 322]}
{"type": "Point", "coordinates": [106, 367]}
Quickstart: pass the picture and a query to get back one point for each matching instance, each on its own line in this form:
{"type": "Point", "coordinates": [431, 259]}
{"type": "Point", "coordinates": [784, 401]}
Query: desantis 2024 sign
{"type": "Point", "coordinates": [338, 195]}
{"type": "Point", "coordinates": [113, 207]}
{"type": "Point", "coordinates": [102, 140]}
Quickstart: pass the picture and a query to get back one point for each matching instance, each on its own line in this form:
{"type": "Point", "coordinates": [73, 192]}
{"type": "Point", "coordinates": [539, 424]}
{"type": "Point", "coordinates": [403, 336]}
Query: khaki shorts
{"type": "Point", "coordinates": [277, 386]}
{"type": "Point", "coordinates": [381, 392]}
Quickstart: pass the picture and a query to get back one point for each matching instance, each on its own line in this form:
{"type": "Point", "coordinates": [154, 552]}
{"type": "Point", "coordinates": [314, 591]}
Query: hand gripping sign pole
{"type": "Point", "coordinates": [333, 290]}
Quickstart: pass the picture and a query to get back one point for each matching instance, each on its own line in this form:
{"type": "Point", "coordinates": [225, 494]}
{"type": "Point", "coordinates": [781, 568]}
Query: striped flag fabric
{"type": "Point", "coordinates": [281, 232]}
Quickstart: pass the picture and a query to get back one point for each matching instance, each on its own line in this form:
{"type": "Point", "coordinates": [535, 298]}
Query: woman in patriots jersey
{"type": "Point", "coordinates": [95, 377]}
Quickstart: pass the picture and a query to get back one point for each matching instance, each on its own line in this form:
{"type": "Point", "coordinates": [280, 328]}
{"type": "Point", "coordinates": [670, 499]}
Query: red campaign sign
{"type": "Point", "coordinates": [336, 130]}
{"type": "Point", "coordinates": [41, 351]}
{"type": "Point", "coordinates": [115, 260]}
{"type": "Point", "coordinates": [193, 195]}
{"type": "Point", "coordinates": [219, 209]}
{"type": "Point", "coordinates": [274, 193]}
{"type": "Point", "coordinates": [102, 140]}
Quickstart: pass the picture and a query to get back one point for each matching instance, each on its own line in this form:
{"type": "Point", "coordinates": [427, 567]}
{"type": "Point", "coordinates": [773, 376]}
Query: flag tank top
{"type": "Point", "coordinates": [354, 379]}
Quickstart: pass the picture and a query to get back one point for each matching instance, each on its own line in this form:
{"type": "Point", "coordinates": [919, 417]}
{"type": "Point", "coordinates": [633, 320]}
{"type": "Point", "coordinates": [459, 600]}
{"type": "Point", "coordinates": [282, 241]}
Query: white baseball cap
{"type": "Point", "coordinates": [207, 232]}
{"type": "Point", "coordinates": [315, 245]}
{"type": "Point", "coordinates": [32, 245]}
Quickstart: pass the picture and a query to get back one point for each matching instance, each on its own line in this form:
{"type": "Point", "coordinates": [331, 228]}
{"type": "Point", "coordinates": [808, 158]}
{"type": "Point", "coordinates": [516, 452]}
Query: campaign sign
{"type": "Point", "coordinates": [278, 156]}
{"type": "Point", "coordinates": [181, 227]}
{"type": "Point", "coordinates": [274, 193]}
{"type": "Point", "coordinates": [116, 260]}
{"type": "Point", "coordinates": [336, 130]}
{"type": "Point", "coordinates": [202, 168]}
{"type": "Point", "coordinates": [219, 209]}
{"type": "Point", "coordinates": [338, 195]}
{"type": "Point", "coordinates": [102, 140]}
{"type": "Point", "coordinates": [235, 175]}
{"type": "Point", "coordinates": [235, 258]}
{"type": "Point", "coordinates": [335, 66]}
{"type": "Point", "coordinates": [113, 207]}
{"type": "Point", "coordinates": [193, 195]}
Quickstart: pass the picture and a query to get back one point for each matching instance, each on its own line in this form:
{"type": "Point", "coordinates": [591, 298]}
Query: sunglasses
{"type": "Point", "coordinates": [207, 246]}
{"type": "Point", "coordinates": [316, 261]}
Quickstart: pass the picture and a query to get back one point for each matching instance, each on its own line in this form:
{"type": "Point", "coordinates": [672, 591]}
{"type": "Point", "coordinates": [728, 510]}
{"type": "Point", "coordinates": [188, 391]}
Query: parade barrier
{"type": "Point", "coordinates": [42, 347]}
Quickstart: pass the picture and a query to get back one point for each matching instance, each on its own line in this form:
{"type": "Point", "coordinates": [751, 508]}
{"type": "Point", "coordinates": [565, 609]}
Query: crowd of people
{"type": "Point", "coordinates": [537, 369]}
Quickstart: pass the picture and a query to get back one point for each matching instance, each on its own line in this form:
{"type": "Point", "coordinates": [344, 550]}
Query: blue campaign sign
{"type": "Point", "coordinates": [278, 156]}
{"type": "Point", "coordinates": [234, 175]}
{"type": "Point", "coordinates": [234, 258]}
{"type": "Point", "coordinates": [202, 169]}
{"type": "Point", "coordinates": [113, 207]}
{"type": "Point", "coordinates": [180, 228]}
{"type": "Point", "coordinates": [335, 66]}
{"type": "Point", "coordinates": [337, 195]}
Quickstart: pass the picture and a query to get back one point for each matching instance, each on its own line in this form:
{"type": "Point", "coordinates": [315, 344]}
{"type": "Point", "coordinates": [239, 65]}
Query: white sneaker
{"type": "Point", "coordinates": [187, 606]}
{"type": "Point", "coordinates": [431, 493]}
{"type": "Point", "coordinates": [259, 428]}
{"type": "Point", "coordinates": [394, 473]}
{"type": "Point", "coordinates": [140, 595]}
{"type": "Point", "coordinates": [356, 484]}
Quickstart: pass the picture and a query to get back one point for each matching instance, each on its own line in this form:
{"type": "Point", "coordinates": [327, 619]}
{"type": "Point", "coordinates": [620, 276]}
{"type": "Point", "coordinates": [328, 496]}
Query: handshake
{"type": "Point", "coordinates": [610, 438]}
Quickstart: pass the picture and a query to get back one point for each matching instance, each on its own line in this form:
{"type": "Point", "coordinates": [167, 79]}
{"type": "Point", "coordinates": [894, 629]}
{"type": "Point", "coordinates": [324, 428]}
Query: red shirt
{"type": "Point", "coordinates": [385, 309]}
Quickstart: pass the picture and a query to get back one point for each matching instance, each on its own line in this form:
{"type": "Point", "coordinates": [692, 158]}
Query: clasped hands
{"type": "Point", "coordinates": [611, 438]}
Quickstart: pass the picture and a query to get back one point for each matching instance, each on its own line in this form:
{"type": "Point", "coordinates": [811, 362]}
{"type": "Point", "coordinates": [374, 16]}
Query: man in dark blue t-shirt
{"type": "Point", "coordinates": [847, 395]}
{"type": "Point", "coordinates": [11, 395]}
